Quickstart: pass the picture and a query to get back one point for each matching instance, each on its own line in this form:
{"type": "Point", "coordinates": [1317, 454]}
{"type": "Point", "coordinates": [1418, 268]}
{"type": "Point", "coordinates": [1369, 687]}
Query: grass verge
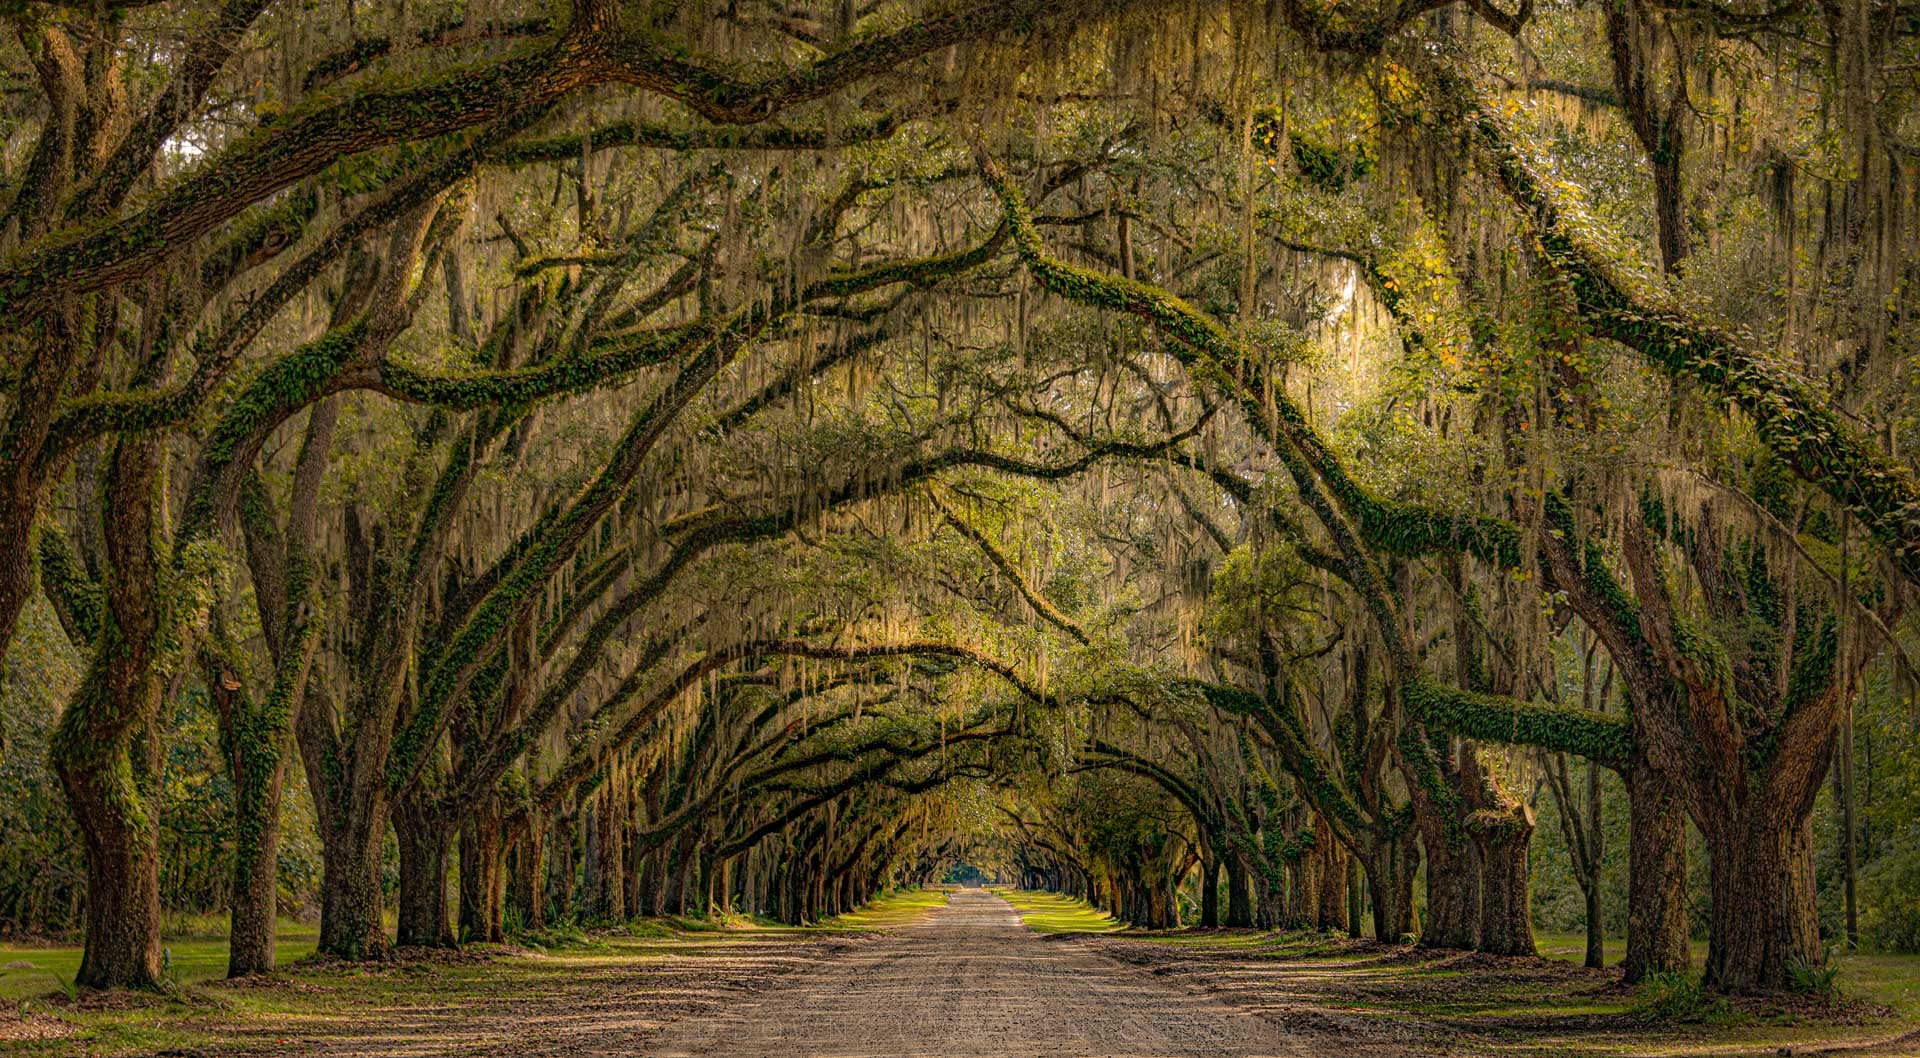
{"type": "Point", "coordinates": [1053, 913]}
{"type": "Point", "coordinates": [891, 910]}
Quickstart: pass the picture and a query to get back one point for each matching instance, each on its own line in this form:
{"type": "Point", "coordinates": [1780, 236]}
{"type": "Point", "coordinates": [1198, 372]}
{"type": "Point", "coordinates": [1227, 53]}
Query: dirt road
{"type": "Point", "coordinates": [972, 979]}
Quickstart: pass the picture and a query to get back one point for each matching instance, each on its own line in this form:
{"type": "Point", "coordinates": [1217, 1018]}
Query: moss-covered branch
{"type": "Point", "coordinates": [1041, 605]}
{"type": "Point", "coordinates": [660, 136]}
{"type": "Point", "coordinates": [1377, 525]}
{"type": "Point", "coordinates": [551, 378]}
{"type": "Point", "coordinates": [593, 50]}
{"type": "Point", "coordinates": [1794, 420]}
{"type": "Point", "coordinates": [554, 541]}
{"type": "Point", "coordinates": [216, 351]}
{"type": "Point", "coordinates": [75, 596]}
{"type": "Point", "coordinates": [589, 759]}
{"type": "Point", "coordinates": [1496, 718]}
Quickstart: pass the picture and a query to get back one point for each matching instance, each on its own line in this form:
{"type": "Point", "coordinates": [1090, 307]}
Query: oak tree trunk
{"type": "Point", "coordinates": [424, 843]}
{"type": "Point", "coordinates": [1764, 920]}
{"type": "Point", "coordinates": [1239, 894]}
{"type": "Point", "coordinates": [350, 897]}
{"type": "Point", "coordinates": [1331, 915]}
{"type": "Point", "coordinates": [1506, 920]}
{"type": "Point", "coordinates": [122, 947]}
{"type": "Point", "coordinates": [1656, 878]}
{"type": "Point", "coordinates": [481, 868]}
{"type": "Point", "coordinates": [1453, 892]}
{"type": "Point", "coordinates": [256, 864]}
{"type": "Point", "coordinates": [1209, 892]}
{"type": "Point", "coordinates": [1391, 865]}
{"type": "Point", "coordinates": [106, 748]}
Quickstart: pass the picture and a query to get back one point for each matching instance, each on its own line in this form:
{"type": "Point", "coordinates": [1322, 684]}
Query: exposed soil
{"type": "Point", "coordinates": [21, 1026]}
{"type": "Point", "coordinates": [555, 1008]}
{"type": "Point", "coordinates": [972, 980]}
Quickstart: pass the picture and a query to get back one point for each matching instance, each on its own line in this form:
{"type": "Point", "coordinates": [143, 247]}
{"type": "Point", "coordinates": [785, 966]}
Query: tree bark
{"type": "Point", "coordinates": [1304, 899]}
{"type": "Point", "coordinates": [609, 855]}
{"type": "Point", "coordinates": [256, 866]}
{"type": "Point", "coordinates": [123, 875]}
{"type": "Point", "coordinates": [1506, 920]}
{"type": "Point", "coordinates": [1209, 892]}
{"type": "Point", "coordinates": [1764, 919]}
{"type": "Point", "coordinates": [1266, 903]}
{"type": "Point", "coordinates": [1239, 894]}
{"type": "Point", "coordinates": [1391, 865]}
{"type": "Point", "coordinates": [257, 740]}
{"type": "Point", "coordinates": [1596, 954]}
{"type": "Point", "coordinates": [1596, 958]}
{"type": "Point", "coordinates": [350, 898]}
{"type": "Point", "coordinates": [530, 874]}
{"type": "Point", "coordinates": [653, 890]}
{"type": "Point", "coordinates": [1331, 915]}
{"type": "Point", "coordinates": [424, 842]}
{"type": "Point", "coordinates": [1656, 878]}
{"type": "Point", "coordinates": [1453, 859]}
{"type": "Point", "coordinates": [1354, 899]}
{"type": "Point", "coordinates": [1849, 831]}
{"type": "Point", "coordinates": [1453, 891]}
{"type": "Point", "coordinates": [559, 880]}
{"type": "Point", "coordinates": [481, 868]}
{"type": "Point", "coordinates": [106, 748]}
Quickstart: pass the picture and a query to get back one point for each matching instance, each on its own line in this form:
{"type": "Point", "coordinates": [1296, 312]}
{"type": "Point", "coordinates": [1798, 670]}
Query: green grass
{"type": "Point", "coordinates": [1890, 980]}
{"type": "Point", "coordinates": [901, 907]}
{"type": "Point", "coordinates": [192, 958]}
{"type": "Point", "coordinates": [1893, 980]}
{"type": "Point", "coordinates": [1053, 913]}
{"type": "Point", "coordinates": [1572, 947]}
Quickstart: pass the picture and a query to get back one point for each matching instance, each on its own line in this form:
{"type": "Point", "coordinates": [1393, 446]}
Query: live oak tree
{"type": "Point", "coordinates": [737, 456]}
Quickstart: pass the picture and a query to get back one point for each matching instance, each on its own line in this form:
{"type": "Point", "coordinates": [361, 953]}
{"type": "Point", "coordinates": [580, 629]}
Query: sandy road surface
{"type": "Point", "coordinates": [972, 980]}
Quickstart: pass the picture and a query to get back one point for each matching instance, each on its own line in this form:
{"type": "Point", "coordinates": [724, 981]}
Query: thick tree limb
{"type": "Point", "coordinates": [1794, 420]}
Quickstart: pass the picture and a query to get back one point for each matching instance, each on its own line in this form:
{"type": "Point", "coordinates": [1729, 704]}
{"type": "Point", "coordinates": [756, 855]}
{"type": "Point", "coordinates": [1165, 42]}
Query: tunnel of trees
{"type": "Point", "coordinates": [1404, 467]}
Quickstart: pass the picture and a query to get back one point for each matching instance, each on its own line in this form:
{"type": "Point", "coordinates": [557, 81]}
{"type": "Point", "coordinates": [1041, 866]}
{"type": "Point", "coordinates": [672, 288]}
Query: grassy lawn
{"type": "Point", "coordinates": [1889, 980]}
{"type": "Point", "coordinates": [1053, 913]}
{"type": "Point", "coordinates": [192, 958]}
{"type": "Point", "coordinates": [1572, 947]}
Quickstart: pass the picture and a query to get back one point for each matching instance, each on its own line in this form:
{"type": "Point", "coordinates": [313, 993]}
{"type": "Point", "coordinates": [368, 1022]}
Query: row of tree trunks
{"type": "Point", "coordinates": [595, 852]}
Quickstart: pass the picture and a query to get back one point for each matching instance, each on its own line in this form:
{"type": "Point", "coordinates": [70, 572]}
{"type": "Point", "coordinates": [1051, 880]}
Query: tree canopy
{"type": "Point", "coordinates": [666, 457]}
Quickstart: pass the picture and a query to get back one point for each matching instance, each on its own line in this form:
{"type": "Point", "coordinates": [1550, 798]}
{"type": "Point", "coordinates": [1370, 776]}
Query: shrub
{"type": "Point", "coordinates": [1675, 997]}
{"type": "Point", "coordinates": [1815, 978]}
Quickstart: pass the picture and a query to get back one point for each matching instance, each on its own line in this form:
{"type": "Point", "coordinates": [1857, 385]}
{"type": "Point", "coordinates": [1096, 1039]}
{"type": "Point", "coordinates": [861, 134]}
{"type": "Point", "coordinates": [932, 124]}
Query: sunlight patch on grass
{"type": "Point", "coordinates": [902, 907]}
{"type": "Point", "coordinates": [1053, 913]}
